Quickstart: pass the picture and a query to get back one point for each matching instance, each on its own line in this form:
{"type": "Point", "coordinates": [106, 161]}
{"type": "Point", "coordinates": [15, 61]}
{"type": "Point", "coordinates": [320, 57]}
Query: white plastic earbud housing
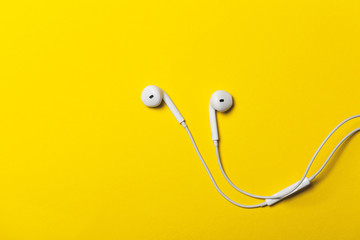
{"type": "Point", "coordinates": [152, 96]}
{"type": "Point", "coordinates": [220, 101]}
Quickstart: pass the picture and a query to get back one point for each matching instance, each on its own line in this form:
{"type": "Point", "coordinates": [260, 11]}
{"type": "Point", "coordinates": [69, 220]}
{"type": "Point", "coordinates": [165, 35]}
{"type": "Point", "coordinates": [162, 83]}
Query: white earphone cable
{"type": "Point", "coordinates": [221, 101]}
{"type": "Point", "coordinates": [333, 152]}
{"type": "Point", "coordinates": [306, 171]}
{"type": "Point", "coordinates": [212, 178]}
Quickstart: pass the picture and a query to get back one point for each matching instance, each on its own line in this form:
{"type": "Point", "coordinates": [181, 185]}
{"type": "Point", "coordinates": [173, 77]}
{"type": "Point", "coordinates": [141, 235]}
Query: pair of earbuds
{"type": "Point", "coordinates": [222, 101]}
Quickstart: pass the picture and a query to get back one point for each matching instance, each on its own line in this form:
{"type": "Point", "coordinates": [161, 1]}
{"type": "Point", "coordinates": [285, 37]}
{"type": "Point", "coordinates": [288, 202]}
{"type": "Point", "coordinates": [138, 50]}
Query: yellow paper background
{"type": "Point", "coordinates": [83, 158]}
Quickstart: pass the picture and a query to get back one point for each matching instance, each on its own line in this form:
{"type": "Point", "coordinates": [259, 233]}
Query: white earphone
{"type": "Point", "coordinates": [222, 101]}
{"type": "Point", "coordinates": [152, 96]}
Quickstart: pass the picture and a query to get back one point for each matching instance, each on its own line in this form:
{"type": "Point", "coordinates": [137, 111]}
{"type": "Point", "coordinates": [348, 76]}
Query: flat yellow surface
{"type": "Point", "coordinates": [83, 158]}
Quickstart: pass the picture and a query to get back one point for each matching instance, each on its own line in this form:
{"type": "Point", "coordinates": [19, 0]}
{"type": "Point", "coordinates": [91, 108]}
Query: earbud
{"type": "Point", "coordinates": [220, 101]}
{"type": "Point", "coordinates": [152, 96]}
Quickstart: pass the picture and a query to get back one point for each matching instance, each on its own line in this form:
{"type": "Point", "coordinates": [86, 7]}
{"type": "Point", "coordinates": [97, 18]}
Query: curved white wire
{"type": "Point", "coordinates": [212, 178]}
{"type": "Point", "coordinates": [306, 171]}
{"type": "Point", "coordinates": [333, 152]}
{"type": "Point", "coordinates": [271, 197]}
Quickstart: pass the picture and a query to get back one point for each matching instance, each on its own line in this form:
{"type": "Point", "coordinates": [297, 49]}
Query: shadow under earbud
{"type": "Point", "coordinates": [229, 110]}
